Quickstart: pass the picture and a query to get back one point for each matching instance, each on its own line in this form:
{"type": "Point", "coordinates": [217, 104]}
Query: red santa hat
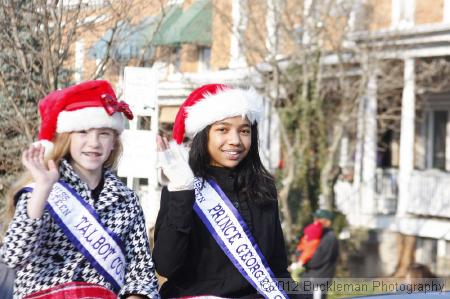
{"type": "Point", "coordinates": [88, 105]}
{"type": "Point", "coordinates": [211, 103]}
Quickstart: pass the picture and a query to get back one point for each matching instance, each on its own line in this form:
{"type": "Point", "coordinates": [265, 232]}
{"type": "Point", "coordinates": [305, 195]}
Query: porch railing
{"type": "Point", "coordinates": [386, 193]}
{"type": "Point", "coordinates": [429, 193]}
{"type": "Point", "coordinates": [386, 190]}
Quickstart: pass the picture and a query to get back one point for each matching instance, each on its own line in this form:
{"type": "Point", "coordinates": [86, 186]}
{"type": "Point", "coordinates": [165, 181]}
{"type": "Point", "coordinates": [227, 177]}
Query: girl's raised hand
{"type": "Point", "coordinates": [33, 160]}
{"type": "Point", "coordinates": [173, 160]}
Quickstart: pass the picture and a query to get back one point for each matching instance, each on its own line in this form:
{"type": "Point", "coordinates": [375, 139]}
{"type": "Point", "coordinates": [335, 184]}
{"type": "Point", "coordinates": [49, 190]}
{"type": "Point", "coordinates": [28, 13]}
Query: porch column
{"type": "Point", "coordinates": [369, 162]}
{"type": "Point", "coordinates": [343, 151]}
{"type": "Point", "coordinates": [239, 25]}
{"type": "Point", "coordinates": [271, 24]}
{"type": "Point", "coordinates": [357, 179]}
{"type": "Point", "coordinates": [406, 163]}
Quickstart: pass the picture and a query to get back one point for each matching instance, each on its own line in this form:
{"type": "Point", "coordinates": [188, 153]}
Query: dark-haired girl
{"type": "Point", "coordinates": [218, 231]}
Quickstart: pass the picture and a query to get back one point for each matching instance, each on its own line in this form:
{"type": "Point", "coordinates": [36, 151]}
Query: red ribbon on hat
{"type": "Point", "coordinates": [112, 105]}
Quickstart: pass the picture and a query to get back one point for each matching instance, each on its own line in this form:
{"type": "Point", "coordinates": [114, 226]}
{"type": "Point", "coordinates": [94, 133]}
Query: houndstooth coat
{"type": "Point", "coordinates": [44, 257]}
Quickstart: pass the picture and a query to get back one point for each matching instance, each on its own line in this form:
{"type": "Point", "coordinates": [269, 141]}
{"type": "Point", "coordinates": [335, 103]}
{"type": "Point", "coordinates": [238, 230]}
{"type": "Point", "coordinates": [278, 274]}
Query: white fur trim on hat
{"type": "Point", "coordinates": [221, 105]}
{"type": "Point", "coordinates": [89, 118]}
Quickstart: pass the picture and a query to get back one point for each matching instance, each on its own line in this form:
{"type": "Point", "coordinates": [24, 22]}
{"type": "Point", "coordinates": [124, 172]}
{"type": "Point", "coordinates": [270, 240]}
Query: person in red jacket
{"type": "Point", "coordinates": [321, 267]}
{"type": "Point", "coordinates": [309, 242]}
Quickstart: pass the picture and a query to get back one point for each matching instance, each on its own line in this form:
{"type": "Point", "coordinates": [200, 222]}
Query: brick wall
{"type": "Point", "coordinates": [256, 34]}
{"type": "Point", "coordinates": [379, 14]}
{"type": "Point", "coordinates": [221, 34]}
{"type": "Point", "coordinates": [189, 58]}
{"type": "Point", "coordinates": [428, 12]}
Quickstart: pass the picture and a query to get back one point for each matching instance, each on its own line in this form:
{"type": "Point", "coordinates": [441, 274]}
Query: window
{"type": "Point", "coordinates": [387, 149]}
{"type": "Point", "coordinates": [403, 13]}
{"type": "Point", "coordinates": [143, 181]}
{"type": "Point", "coordinates": [360, 16]}
{"type": "Point", "coordinates": [175, 60]}
{"type": "Point", "coordinates": [144, 123]}
{"type": "Point", "coordinates": [204, 59]}
{"type": "Point", "coordinates": [447, 11]}
{"type": "Point", "coordinates": [437, 147]}
{"type": "Point", "coordinates": [438, 139]}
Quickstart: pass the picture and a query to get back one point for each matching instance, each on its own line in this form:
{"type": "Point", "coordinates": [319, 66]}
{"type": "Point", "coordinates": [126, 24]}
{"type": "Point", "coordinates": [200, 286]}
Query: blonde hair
{"type": "Point", "coordinates": [61, 149]}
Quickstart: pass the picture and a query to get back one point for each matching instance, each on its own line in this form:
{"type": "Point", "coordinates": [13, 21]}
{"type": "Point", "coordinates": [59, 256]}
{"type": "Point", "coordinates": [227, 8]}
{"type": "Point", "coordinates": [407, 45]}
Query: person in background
{"type": "Point", "coordinates": [320, 269]}
{"type": "Point", "coordinates": [77, 230]}
{"type": "Point", "coordinates": [309, 242]}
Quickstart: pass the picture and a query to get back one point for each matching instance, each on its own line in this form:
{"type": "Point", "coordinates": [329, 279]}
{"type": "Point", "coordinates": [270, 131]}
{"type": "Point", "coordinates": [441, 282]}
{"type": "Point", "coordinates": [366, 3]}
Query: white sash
{"type": "Point", "coordinates": [82, 226]}
{"type": "Point", "coordinates": [233, 236]}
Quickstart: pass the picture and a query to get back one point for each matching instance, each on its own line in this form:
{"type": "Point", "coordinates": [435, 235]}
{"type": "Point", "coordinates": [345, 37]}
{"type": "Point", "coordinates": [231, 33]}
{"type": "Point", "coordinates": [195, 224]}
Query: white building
{"type": "Point", "coordinates": [412, 195]}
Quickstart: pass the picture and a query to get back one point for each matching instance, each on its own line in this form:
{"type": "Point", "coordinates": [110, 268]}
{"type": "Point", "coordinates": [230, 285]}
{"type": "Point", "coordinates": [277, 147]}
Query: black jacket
{"type": "Point", "coordinates": [324, 261]}
{"type": "Point", "coordinates": [188, 256]}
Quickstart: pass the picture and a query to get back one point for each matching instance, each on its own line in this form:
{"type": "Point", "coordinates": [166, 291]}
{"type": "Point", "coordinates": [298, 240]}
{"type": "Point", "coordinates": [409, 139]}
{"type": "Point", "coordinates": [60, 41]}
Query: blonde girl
{"type": "Point", "coordinates": [77, 231]}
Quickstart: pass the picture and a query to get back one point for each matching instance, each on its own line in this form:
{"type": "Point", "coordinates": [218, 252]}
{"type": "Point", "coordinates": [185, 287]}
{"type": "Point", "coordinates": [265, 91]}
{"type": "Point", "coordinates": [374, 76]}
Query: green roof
{"type": "Point", "coordinates": [190, 27]}
{"type": "Point", "coordinates": [167, 21]}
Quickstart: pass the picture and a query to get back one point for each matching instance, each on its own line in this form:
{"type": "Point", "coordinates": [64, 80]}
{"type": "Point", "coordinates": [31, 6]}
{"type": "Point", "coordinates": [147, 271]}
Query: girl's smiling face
{"type": "Point", "coordinates": [229, 141]}
{"type": "Point", "coordinates": [90, 149]}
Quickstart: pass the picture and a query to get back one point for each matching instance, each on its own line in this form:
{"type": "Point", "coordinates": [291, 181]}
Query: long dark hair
{"type": "Point", "coordinates": [252, 179]}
